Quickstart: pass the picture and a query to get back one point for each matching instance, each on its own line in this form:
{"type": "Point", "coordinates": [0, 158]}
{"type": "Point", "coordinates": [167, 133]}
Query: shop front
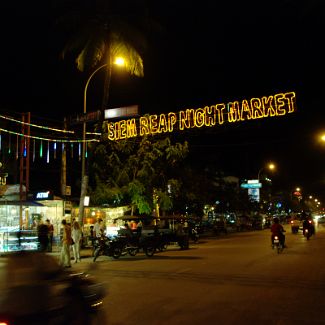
{"type": "Point", "coordinates": [19, 220]}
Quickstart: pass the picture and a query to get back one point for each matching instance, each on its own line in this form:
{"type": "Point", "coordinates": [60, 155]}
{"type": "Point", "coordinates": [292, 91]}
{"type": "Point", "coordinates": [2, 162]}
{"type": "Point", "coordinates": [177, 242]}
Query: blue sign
{"type": "Point", "coordinates": [251, 185]}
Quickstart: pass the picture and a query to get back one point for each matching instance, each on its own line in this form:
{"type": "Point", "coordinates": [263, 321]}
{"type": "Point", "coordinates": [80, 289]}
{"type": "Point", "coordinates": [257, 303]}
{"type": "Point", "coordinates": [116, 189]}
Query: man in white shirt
{"type": "Point", "coordinates": [98, 228]}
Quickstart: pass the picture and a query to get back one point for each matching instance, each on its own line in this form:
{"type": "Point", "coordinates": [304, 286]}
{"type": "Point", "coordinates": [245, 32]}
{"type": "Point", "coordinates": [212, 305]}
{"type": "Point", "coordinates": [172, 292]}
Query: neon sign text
{"type": "Point", "coordinates": [208, 116]}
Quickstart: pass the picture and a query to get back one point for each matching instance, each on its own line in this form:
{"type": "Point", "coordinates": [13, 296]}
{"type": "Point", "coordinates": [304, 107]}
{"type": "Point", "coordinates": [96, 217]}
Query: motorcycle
{"type": "Point", "coordinates": [39, 292]}
{"type": "Point", "coordinates": [278, 244]}
{"type": "Point", "coordinates": [308, 229]}
{"type": "Point", "coordinates": [307, 233]}
{"type": "Point", "coordinates": [108, 247]}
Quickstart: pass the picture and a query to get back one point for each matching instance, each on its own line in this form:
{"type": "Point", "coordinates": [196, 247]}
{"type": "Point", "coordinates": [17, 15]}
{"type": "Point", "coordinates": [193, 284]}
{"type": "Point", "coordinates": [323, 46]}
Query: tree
{"type": "Point", "coordinates": [102, 30]}
{"type": "Point", "coordinates": [134, 170]}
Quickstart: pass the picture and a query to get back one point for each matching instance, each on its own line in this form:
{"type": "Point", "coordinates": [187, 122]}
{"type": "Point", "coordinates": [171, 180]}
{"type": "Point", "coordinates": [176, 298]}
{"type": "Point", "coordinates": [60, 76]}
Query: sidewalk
{"type": "Point", "coordinates": [84, 252]}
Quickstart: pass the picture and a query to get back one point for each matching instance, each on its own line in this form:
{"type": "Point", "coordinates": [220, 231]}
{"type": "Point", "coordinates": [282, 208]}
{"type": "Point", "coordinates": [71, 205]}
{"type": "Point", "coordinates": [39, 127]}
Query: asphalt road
{"type": "Point", "coordinates": [234, 279]}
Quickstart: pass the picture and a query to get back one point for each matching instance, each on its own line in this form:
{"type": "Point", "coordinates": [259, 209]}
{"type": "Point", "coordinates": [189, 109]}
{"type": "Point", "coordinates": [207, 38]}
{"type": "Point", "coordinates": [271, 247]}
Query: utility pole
{"type": "Point", "coordinates": [24, 164]}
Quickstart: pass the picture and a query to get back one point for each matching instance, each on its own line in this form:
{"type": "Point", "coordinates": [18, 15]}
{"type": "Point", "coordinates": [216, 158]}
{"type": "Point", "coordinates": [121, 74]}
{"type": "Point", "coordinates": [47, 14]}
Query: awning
{"type": "Point", "coordinates": [23, 203]}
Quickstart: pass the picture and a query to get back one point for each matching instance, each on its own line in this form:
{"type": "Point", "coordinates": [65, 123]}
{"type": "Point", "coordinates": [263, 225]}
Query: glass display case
{"type": "Point", "coordinates": [15, 240]}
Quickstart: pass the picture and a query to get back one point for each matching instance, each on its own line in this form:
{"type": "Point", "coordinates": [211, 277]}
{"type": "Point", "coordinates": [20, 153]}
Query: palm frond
{"type": "Point", "coordinates": [133, 60]}
{"type": "Point", "coordinates": [91, 54]}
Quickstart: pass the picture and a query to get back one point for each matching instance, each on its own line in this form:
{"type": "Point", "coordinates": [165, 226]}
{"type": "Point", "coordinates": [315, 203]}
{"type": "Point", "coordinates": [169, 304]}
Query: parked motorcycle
{"type": "Point", "coordinates": [108, 247]}
{"type": "Point", "coordinates": [38, 291]}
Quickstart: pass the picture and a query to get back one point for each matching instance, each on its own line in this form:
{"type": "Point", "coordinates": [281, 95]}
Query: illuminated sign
{"type": "Point", "coordinates": [121, 112]}
{"type": "Point", "coordinates": [254, 194]}
{"type": "Point", "coordinates": [44, 196]}
{"type": "Point", "coordinates": [252, 185]}
{"type": "Point", "coordinates": [208, 116]}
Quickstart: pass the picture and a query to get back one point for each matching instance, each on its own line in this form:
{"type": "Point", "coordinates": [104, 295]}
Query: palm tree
{"type": "Point", "coordinates": [100, 31]}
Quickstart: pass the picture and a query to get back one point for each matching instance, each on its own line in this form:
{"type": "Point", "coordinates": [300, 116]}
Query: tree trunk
{"type": "Point", "coordinates": [107, 81]}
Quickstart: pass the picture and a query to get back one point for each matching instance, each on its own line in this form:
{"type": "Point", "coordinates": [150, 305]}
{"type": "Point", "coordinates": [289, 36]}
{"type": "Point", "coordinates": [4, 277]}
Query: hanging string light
{"type": "Point", "coordinates": [41, 149]}
{"type": "Point", "coordinates": [34, 149]}
{"type": "Point", "coordinates": [9, 145]}
{"type": "Point", "coordinates": [25, 149]}
{"type": "Point", "coordinates": [71, 151]}
{"type": "Point", "coordinates": [49, 139]}
{"type": "Point", "coordinates": [35, 125]}
{"type": "Point", "coordinates": [17, 147]}
{"type": "Point", "coordinates": [54, 150]}
{"type": "Point", "coordinates": [48, 152]}
{"type": "Point", "coordinates": [79, 151]}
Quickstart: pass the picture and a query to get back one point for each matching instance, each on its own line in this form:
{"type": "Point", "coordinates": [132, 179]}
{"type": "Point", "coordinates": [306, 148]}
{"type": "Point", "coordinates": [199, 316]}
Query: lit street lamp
{"type": "Point", "coordinates": [84, 178]}
{"type": "Point", "coordinates": [270, 166]}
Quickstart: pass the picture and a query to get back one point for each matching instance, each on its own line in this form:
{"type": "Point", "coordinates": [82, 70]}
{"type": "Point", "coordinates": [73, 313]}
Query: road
{"type": "Point", "coordinates": [234, 279]}
{"type": "Point", "coordinates": [231, 279]}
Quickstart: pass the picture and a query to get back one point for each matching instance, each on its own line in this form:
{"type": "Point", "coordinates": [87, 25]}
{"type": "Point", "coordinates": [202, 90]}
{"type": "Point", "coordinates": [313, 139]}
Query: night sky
{"type": "Point", "coordinates": [208, 52]}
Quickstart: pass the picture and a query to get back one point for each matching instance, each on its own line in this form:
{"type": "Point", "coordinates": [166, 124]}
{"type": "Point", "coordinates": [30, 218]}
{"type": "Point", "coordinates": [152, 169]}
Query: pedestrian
{"type": "Point", "coordinates": [43, 239]}
{"type": "Point", "coordinates": [65, 258]}
{"type": "Point", "coordinates": [139, 228]}
{"type": "Point", "coordinates": [50, 235]}
{"type": "Point", "coordinates": [76, 235]}
{"type": "Point", "coordinates": [98, 228]}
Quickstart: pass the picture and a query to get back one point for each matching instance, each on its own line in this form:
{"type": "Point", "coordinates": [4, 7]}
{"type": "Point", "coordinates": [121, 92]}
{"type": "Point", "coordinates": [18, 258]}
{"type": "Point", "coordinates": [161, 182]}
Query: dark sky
{"type": "Point", "coordinates": [208, 52]}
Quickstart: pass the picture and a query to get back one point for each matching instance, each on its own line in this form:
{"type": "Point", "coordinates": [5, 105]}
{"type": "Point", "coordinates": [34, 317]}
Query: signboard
{"type": "Point", "coordinates": [253, 185]}
{"type": "Point", "coordinates": [68, 190]}
{"type": "Point", "coordinates": [254, 194]}
{"type": "Point", "coordinates": [253, 181]}
{"type": "Point", "coordinates": [209, 116]}
{"type": "Point", "coordinates": [44, 195]}
{"type": "Point", "coordinates": [87, 117]}
{"type": "Point", "coordinates": [121, 112]}
{"type": "Point", "coordinates": [68, 205]}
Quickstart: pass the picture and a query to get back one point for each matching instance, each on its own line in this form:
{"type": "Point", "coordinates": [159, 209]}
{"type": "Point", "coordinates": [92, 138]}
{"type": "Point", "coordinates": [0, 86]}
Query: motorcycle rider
{"type": "Point", "coordinates": [308, 224]}
{"type": "Point", "coordinates": [277, 230]}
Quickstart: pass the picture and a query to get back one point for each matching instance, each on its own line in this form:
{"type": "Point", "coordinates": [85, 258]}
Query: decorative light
{"type": "Point", "coordinates": [34, 125]}
{"type": "Point", "coordinates": [209, 116]}
{"type": "Point", "coordinates": [48, 139]}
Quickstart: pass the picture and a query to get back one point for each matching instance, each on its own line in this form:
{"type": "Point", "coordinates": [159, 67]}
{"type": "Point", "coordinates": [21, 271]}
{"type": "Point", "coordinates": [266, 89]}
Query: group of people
{"type": "Point", "coordinates": [71, 236]}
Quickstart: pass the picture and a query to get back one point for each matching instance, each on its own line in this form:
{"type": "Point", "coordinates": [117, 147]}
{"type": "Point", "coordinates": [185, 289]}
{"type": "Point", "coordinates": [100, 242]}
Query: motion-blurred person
{"type": "Point", "coordinates": [50, 235]}
{"type": "Point", "coordinates": [35, 290]}
{"type": "Point", "coordinates": [43, 239]}
{"type": "Point", "coordinates": [76, 235]}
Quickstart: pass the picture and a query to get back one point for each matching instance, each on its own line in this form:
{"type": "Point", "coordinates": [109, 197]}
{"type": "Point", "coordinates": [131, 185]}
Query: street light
{"type": "Point", "coordinates": [84, 178]}
{"type": "Point", "coordinates": [270, 166]}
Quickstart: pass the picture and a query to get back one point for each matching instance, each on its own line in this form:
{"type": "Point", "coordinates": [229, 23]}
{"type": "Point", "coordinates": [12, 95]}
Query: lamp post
{"type": "Point", "coordinates": [84, 177]}
{"type": "Point", "coordinates": [270, 166]}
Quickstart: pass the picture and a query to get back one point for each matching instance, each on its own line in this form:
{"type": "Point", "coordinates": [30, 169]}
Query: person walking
{"type": "Point", "coordinates": [76, 234]}
{"type": "Point", "coordinates": [50, 235]}
{"type": "Point", "coordinates": [65, 259]}
{"type": "Point", "coordinates": [43, 239]}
